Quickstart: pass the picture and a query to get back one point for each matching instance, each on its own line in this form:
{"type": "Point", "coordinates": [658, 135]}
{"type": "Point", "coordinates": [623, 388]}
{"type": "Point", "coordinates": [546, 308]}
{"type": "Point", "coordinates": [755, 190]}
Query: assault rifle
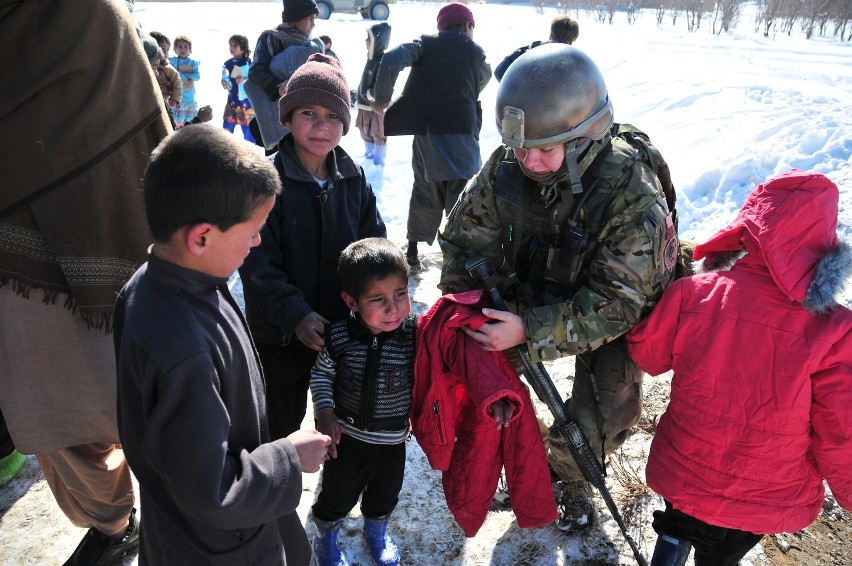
{"type": "Point", "coordinates": [478, 268]}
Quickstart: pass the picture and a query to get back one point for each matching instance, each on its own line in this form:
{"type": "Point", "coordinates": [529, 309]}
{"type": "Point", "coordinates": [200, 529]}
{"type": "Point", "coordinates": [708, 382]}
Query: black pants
{"type": "Point", "coordinates": [287, 372]}
{"type": "Point", "coordinates": [714, 546]}
{"type": "Point", "coordinates": [374, 469]}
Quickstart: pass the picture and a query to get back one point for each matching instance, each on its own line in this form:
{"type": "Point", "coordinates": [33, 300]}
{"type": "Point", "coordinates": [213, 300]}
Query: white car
{"type": "Point", "coordinates": [369, 9]}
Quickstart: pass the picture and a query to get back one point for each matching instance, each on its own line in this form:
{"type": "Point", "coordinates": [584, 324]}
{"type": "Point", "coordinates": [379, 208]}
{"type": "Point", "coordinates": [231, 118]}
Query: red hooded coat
{"type": "Point", "coordinates": [455, 383]}
{"type": "Point", "coordinates": [761, 398]}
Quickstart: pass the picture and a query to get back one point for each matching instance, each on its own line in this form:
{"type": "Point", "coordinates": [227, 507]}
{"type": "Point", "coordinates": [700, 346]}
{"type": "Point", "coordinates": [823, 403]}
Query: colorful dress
{"type": "Point", "coordinates": [238, 109]}
{"type": "Point", "coordinates": [187, 109]}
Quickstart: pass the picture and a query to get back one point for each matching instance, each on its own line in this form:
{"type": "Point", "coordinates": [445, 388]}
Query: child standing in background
{"type": "Point", "coordinates": [188, 69]}
{"type": "Point", "coordinates": [235, 72]}
{"type": "Point", "coordinates": [361, 387]}
{"type": "Point", "coordinates": [168, 78]}
{"type": "Point", "coordinates": [372, 124]}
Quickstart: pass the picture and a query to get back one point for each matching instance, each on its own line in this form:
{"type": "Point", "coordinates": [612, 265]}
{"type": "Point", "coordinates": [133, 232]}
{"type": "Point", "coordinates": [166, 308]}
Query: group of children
{"type": "Point", "coordinates": [216, 486]}
{"type": "Point", "coordinates": [176, 77]}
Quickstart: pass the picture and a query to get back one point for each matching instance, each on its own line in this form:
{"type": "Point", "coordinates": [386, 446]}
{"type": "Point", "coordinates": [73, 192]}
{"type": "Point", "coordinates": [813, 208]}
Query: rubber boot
{"type": "Point", "coordinates": [670, 551]}
{"type": "Point", "coordinates": [382, 548]}
{"type": "Point", "coordinates": [325, 546]}
{"type": "Point", "coordinates": [379, 155]}
{"type": "Point", "coordinates": [369, 150]}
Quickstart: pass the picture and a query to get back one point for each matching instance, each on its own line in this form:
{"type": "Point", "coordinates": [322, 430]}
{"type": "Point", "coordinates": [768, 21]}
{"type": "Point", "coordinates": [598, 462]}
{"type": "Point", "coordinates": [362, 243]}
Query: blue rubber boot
{"type": "Point", "coordinates": [379, 155]}
{"type": "Point", "coordinates": [326, 550]}
{"type": "Point", "coordinates": [382, 548]}
{"type": "Point", "coordinates": [369, 150]}
{"type": "Point", "coordinates": [670, 551]}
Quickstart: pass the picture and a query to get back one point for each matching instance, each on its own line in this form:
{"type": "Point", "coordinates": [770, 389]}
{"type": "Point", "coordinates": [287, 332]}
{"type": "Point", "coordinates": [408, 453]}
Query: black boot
{"type": "Point", "coordinates": [97, 549]}
{"type": "Point", "coordinates": [670, 551]}
{"type": "Point", "coordinates": [411, 257]}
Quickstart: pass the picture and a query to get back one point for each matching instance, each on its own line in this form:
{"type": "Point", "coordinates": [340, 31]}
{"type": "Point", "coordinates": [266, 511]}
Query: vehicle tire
{"type": "Point", "coordinates": [379, 11]}
{"type": "Point", "coordinates": [325, 10]}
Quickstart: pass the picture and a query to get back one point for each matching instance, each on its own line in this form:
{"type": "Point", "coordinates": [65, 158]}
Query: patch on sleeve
{"type": "Point", "coordinates": [670, 251]}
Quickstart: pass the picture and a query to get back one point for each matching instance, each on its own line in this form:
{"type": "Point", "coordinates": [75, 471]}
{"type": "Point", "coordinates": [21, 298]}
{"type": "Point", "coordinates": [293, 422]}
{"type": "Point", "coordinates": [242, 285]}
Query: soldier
{"type": "Point", "coordinates": [580, 228]}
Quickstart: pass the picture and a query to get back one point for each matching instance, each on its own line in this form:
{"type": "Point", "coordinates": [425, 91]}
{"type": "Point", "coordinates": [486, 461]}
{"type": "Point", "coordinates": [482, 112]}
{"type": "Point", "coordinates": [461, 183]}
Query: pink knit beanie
{"type": "Point", "coordinates": [453, 14]}
{"type": "Point", "coordinates": [319, 81]}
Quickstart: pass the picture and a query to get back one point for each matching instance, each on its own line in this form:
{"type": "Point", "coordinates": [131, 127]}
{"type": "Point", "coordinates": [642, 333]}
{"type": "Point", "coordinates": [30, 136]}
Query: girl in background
{"type": "Point", "coordinates": [235, 72]}
{"type": "Point", "coordinates": [188, 69]}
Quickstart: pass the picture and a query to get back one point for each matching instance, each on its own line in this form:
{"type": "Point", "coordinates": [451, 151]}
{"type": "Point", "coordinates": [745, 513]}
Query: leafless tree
{"type": "Point", "coordinates": [725, 15]}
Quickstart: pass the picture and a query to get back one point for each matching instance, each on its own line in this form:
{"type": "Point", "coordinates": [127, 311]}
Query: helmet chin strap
{"type": "Point", "coordinates": [573, 151]}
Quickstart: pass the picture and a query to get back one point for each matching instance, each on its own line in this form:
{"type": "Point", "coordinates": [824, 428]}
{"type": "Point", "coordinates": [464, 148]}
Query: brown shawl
{"type": "Point", "coordinates": [80, 116]}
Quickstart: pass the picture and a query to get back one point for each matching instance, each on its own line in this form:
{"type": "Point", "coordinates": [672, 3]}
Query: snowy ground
{"type": "Point", "coordinates": [727, 112]}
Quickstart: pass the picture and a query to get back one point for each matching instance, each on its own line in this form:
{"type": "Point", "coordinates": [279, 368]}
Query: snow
{"type": "Point", "coordinates": [726, 111]}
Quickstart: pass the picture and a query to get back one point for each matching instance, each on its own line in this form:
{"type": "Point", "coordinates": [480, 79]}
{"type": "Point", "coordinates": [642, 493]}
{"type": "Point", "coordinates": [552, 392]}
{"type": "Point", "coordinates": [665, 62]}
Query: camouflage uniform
{"type": "Point", "coordinates": [578, 304]}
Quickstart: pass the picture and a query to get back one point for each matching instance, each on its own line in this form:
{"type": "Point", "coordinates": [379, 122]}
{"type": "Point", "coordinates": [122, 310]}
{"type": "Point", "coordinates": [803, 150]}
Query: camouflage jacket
{"type": "Point", "coordinates": [607, 287]}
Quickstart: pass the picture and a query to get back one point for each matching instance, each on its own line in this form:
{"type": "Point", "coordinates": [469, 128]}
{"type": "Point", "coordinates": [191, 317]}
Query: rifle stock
{"type": "Point", "coordinates": [539, 379]}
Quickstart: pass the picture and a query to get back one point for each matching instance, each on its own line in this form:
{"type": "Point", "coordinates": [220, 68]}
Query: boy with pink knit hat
{"type": "Point", "coordinates": [290, 280]}
{"type": "Point", "coordinates": [761, 398]}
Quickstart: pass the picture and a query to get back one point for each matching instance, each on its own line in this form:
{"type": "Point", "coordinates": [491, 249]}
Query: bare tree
{"type": "Point", "coordinates": [695, 12]}
{"type": "Point", "coordinates": [725, 15]}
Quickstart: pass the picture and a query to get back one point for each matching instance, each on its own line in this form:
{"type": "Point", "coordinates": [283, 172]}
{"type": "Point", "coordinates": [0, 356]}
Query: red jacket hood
{"type": "Point", "coordinates": [789, 222]}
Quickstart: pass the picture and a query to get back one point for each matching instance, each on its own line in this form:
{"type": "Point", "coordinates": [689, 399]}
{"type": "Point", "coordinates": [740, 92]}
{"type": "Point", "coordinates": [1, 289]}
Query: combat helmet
{"type": "Point", "coordinates": [553, 94]}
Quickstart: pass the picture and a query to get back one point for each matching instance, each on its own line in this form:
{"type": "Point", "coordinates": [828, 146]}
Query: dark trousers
{"type": "Point", "coordinates": [287, 372]}
{"type": "Point", "coordinates": [376, 470]}
{"type": "Point", "coordinates": [430, 201]}
{"type": "Point", "coordinates": [714, 546]}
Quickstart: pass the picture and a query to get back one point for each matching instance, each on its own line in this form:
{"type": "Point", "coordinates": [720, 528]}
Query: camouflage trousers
{"type": "Point", "coordinates": [607, 421]}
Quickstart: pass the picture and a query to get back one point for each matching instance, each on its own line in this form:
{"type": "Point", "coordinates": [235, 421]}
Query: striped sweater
{"type": "Point", "coordinates": [366, 379]}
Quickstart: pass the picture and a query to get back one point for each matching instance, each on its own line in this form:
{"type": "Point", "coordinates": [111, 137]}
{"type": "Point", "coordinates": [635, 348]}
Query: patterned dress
{"type": "Point", "coordinates": [238, 109]}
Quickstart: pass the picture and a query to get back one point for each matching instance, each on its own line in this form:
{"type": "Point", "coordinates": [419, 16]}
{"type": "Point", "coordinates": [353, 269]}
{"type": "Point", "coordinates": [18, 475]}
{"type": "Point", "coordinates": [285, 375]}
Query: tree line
{"type": "Point", "coordinates": [823, 18]}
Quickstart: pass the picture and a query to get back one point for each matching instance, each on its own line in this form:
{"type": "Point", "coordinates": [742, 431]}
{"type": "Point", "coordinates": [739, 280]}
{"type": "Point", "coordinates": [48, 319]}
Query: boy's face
{"type": "Point", "coordinates": [182, 49]}
{"type": "Point", "coordinates": [306, 25]}
{"type": "Point", "coordinates": [543, 159]}
{"type": "Point", "coordinates": [316, 129]}
{"type": "Point", "coordinates": [165, 46]}
{"type": "Point", "coordinates": [383, 305]}
{"type": "Point", "coordinates": [235, 49]}
{"type": "Point", "coordinates": [227, 250]}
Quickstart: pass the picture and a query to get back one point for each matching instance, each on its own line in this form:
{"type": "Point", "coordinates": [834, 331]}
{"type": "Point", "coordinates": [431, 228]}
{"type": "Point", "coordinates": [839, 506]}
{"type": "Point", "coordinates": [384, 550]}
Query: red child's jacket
{"type": "Point", "coordinates": [455, 382]}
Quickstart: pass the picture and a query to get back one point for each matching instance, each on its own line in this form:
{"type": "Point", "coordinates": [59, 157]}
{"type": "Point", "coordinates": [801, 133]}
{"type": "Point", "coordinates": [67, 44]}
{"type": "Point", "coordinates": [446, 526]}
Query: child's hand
{"type": "Point", "coordinates": [327, 424]}
{"type": "Point", "coordinates": [188, 83]}
{"type": "Point", "coordinates": [172, 102]}
{"type": "Point", "coordinates": [501, 411]}
{"type": "Point", "coordinates": [378, 107]}
{"type": "Point", "coordinates": [226, 84]}
{"type": "Point", "coordinates": [312, 448]}
{"type": "Point", "coordinates": [282, 89]}
{"type": "Point", "coordinates": [240, 80]}
{"type": "Point", "coordinates": [310, 331]}
{"type": "Point", "coordinates": [205, 114]}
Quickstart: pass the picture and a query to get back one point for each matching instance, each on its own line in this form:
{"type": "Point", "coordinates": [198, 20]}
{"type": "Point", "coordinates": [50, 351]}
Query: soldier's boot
{"type": "Point", "coordinates": [382, 547]}
{"type": "Point", "coordinates": [325, 546]}
{"type": "Point", "coordinates": [379, 155]}
{"type": "Point", "coordinates": [369, 150]}
{"type": "Point", "coordinates": [670, 551]}
{"type": "Point", "coordinates": [575, 506]}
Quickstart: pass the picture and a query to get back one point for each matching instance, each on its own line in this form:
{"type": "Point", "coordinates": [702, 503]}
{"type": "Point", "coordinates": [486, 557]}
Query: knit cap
{"type": "Point", "coordinates": [295, 10]}
{"type": "Point", "coordinates": [319, 81]}
{"type": "Point", "coordinates": [453, 14]}
{"type": "Point", "coordinates": [152, 50]}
